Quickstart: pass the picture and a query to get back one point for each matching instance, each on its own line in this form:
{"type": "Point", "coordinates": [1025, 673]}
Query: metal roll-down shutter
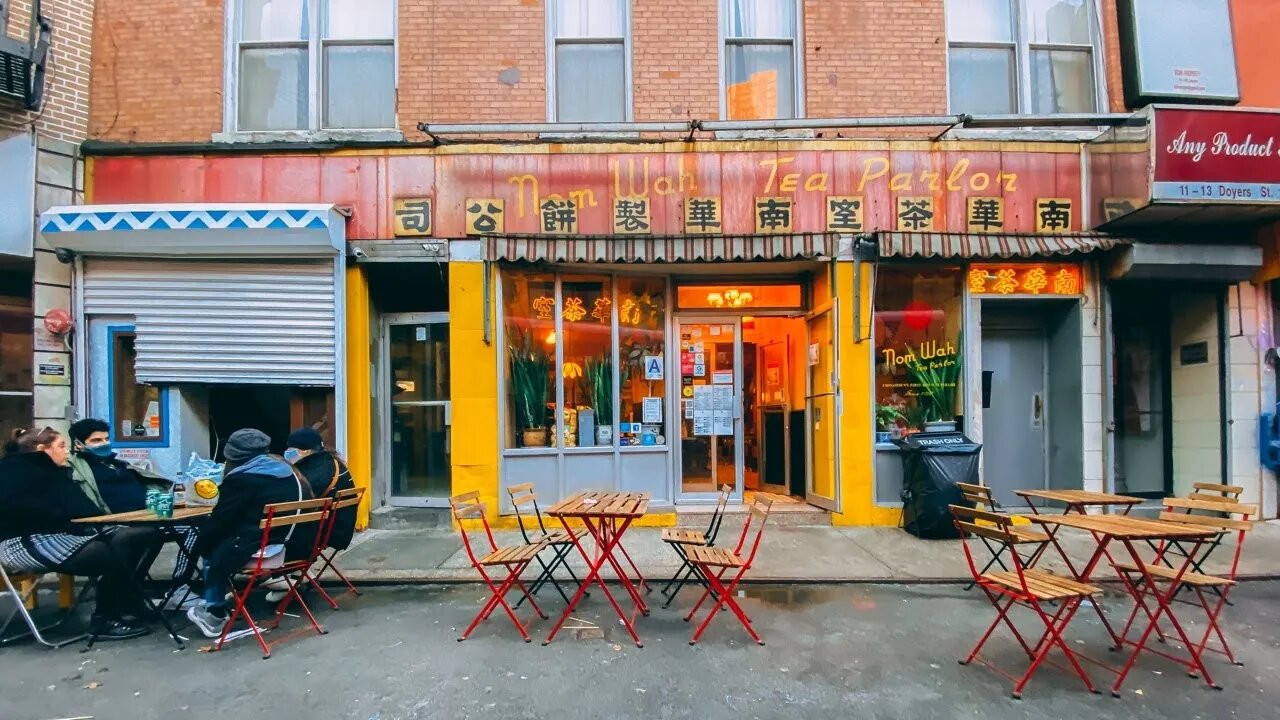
{"type": "Point", "coordinates": [207, 321]}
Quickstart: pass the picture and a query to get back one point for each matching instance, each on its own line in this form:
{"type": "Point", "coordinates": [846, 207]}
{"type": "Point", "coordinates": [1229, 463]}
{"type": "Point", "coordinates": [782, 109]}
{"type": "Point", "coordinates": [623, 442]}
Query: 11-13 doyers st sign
{"type": "Point", "coordinates": [939, 187]}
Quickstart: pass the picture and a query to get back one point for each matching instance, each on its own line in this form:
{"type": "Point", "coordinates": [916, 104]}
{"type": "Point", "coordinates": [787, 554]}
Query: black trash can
{"type": "Point", "coordinates": [932, 464]}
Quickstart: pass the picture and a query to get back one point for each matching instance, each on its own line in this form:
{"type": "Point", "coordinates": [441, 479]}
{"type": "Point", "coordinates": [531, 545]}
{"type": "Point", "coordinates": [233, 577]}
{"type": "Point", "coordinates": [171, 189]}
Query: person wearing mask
{"type": "Point", "coordinates": [251, 480]}
{"type": "Point", "coordinates": [38, 501]}
{"type": "Point", "coordinates": [116, 487]}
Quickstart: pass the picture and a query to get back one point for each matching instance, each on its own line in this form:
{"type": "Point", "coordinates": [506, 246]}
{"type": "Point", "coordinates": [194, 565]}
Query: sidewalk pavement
{"type": "Point", "coordinates": [787, 554]}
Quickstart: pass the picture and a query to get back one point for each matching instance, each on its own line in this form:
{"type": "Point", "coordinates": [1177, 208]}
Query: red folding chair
{"type": "Point", "coordinates": [295, 573]}
{"type": "Point", "coordinates": [1033, 589]}
{"type": "Point", "coordinates": [1218, 513]}
{"type": "Point", "coordinates": [513, 559]}
{"type": "Point", "coordinates": [342, 500]}
{"type": "Point", "coordinates": [712, 563]}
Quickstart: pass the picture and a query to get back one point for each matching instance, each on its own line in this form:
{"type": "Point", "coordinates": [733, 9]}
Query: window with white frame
{"type": "Point", "coordinates": [588, 63]}
{"type": "Point", "coordinates": [314, 64]}
{"type": "Point", "coordinates": [760, 59]}
{"type": "Point", "coordinates": [1023, 56]}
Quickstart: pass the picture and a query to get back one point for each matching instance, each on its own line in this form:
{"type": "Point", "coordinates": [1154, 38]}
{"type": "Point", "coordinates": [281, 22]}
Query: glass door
{"type": "Point", "coordinates": [821, 408]}
{"type": "Point", "coordinates": [415, 382]}
{"type": "Point", "coordinates": [710, 409]}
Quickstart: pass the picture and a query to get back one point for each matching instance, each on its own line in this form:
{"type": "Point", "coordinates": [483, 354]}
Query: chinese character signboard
{"type": "Point", "coordinates": [412, 217]}
{"type": "Point", "coordinates": [732, 188]}
{"type": "Point", "coordinates": [1025, 279]}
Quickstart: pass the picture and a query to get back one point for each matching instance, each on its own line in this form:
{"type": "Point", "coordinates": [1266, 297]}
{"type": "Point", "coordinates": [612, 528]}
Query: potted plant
{"type": "Point", "coordinates": [937, 381]}
{"type": "Point", "coordinates": [597, 376]}
{"type": "Point", "coordinates": [530, 368]}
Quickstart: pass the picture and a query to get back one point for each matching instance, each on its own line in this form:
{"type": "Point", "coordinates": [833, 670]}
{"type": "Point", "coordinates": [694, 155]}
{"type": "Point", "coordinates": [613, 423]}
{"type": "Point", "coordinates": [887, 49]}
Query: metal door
{"type": "Point", "coordinates": [822, 408]}
{"type": "Point", "coordinates": [709, 385]}
{"type": "Point", "coordinates": [1015, 419]}
{"type": "Point", "coordinates": [414, 383]}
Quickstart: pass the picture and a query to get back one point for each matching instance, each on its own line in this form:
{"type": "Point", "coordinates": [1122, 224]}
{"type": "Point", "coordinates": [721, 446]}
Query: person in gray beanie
{"type": "Point", "coordinates": [251, 479]}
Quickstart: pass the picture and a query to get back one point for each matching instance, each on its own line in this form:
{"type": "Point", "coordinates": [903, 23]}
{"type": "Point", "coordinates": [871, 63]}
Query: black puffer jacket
{"type": "Point", "coordinates": [327, 474]}
{"type": "Point", "coordinates": [38, 496]}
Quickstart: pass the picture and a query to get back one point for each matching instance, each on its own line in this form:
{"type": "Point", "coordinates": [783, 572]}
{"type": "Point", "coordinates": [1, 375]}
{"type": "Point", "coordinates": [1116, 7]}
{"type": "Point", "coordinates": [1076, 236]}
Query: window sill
{"type": "Point", "coordinates": [1027, 134]}
{"type": "Point", "coordinates": [799, 134]}
{"type": "Point", "coordinates": [584, 136]}
{"type": "Point", "coordinates": [309, 136]}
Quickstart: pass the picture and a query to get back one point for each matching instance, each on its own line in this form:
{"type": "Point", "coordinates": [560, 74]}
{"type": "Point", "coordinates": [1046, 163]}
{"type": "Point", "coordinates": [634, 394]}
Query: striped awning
{"type": "Point", "coordinates": [977, 245]}
{"type": "Point", "coordinates": [648, 248]}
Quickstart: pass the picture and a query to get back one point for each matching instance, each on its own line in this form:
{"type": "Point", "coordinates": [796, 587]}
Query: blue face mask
{"type": "Point", "coordinates": [292, 454]}
{"type": "Point", "coordinates": [102, 451]}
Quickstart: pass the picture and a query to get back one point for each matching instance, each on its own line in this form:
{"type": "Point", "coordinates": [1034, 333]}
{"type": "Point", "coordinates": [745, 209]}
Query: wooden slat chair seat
{"type": "Point", "coordinates": [980, 497]}
{"type": "Point", "coordinates": [512, 559]}
{"type": "Point", "coordinates": [713, 563]}
{"type": "Point", "coordinates": [1024, 587]}
{"type": "Point", "coordinates": [342, 500]}
{"type": "Point", "coordinates": [1044, 585]}
{"type": "Point", "coordinates": [681, 541]}
{"type": "Point", "coordinates": [296, 574]}
{"type": "Point", "coordinates": [1211, 506]}
{"type": "Point", "coordinates": [561, 542]}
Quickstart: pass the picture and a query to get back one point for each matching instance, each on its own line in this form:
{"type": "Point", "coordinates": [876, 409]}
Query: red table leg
{"type": "Point", "coordinates": [605, 543]}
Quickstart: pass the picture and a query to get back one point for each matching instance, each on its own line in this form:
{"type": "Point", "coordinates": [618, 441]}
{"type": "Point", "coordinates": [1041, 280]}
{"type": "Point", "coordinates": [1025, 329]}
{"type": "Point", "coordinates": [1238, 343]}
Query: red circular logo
{"type": "Point", "coordinates": [57, 321]}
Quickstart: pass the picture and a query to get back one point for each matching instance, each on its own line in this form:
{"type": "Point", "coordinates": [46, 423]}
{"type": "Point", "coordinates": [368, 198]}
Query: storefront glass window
{"type": "Point", "coordinates": [15, 363]}
{"type": "Point", "coordinates": [919, 324]}
{"type": "Point", "coordinates": [587, 360]}
{"type": "Point", "coordinates": [137, 410]}
{"type": "Point", "coordinates": [529, 316]}
{"type": "Point", "coordinates": [642, 322]}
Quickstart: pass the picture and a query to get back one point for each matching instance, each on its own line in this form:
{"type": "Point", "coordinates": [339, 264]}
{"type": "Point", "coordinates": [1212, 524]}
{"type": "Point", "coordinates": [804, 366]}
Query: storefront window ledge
{"type": "Point", "coordinates": [521, 452]}
{"type": "Point", "coordinates": [643, 449]}
{"type": "Point", "coordinates": [309, 136]}
{"type": "Point", "coordinates": [590, 450]}
{"type": "Point", "coordinates": [886, 446]}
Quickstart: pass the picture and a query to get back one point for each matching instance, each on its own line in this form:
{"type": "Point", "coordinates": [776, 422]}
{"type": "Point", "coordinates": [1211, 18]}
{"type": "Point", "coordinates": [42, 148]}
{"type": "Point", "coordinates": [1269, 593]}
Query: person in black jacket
{"type": "Point", "coordinates": [38, 501]}
{"type": "Point", "coordinates": [327, 473]}
{"type": "Point", "coordinates": [251, 480]}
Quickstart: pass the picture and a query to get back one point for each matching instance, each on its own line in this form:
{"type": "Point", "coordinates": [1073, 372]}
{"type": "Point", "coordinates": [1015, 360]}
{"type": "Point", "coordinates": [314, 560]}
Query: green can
{"type": "Point", "coordinates": [153, 496]}
{"type": "Point", "coordinates": [164, 505]}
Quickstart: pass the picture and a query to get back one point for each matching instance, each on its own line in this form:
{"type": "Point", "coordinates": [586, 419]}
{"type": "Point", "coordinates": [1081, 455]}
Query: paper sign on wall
{"type": "Point", "coordinates": [420, 333]}
{"type": "Point", "coordinates": [702, 419]}
{"type": "Point", "coordinates": [813, 354]}
{"type": "Point", "coordinates": [724, 377]}
{"type": "Point", "coordinates": [699, 369]}
{"type": "Point", "coordinates": [715, 330]}
{"type": "Point", "coordinates": [652, 368]}
{"type": "Point", "coordinates": [722, 423]}
{"type": "Point", "coordinates": [652, 412]}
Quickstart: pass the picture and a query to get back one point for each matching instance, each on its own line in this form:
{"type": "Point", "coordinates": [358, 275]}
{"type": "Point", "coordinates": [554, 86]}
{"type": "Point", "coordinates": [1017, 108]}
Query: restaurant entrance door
{"type": "Point", "coordinates": [709, 382]}
{"type": "Point", "coordinates": [415, 383]}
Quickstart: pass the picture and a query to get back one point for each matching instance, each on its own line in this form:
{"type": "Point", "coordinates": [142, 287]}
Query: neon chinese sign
{"type": "Point", "coordinates": [1025, 279]}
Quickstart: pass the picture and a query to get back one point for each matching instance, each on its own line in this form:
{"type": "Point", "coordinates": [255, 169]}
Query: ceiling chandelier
{"type": "Point", "coordinates": [730, 298]}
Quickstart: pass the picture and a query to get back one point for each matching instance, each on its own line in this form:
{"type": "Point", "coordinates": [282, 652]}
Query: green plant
{"type": "Point", "coordinates": [530, 369]}
{"type": "Point", "coordinates": [887, 416]}
{"type": "Point", "coordinates": [937, 380]}
{"type": "Point", "coordinates": [597, 376]}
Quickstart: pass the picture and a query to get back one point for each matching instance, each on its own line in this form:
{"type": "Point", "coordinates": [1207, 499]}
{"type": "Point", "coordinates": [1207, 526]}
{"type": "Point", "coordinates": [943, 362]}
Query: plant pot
{"type": "Point", "coordinates": [604, 435]}
{"type": "Point", "coordinates": [534, 437]}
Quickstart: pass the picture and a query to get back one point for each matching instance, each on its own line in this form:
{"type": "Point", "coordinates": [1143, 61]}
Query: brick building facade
{"type": "Point", "coordinates": [248, 108]}
{"type": "Point", "coordinates": [41, 152]}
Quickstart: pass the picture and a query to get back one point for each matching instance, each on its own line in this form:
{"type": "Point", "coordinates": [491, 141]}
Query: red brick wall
{"type": "Point", "coordinates": [157, 70]}
{"type": "Point", "coordinates": [485, 61]}
{"type": "Point", "coordinates": [64, 113]}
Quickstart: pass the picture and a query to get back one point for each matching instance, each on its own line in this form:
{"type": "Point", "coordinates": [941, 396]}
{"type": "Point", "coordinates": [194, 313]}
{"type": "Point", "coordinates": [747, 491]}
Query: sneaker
{"type": "Point", "coordinates": [211, 625]}
{"type": "Point", "coordinates": [181, 600]}
{"type": "Point", "coordinates": [276, 596]}
{"type": "Point", "coordinates": [116, 629]}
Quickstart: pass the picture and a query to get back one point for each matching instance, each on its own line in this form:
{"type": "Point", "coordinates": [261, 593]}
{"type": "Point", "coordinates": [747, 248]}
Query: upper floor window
{"type": "Point", "coordinates": [588, 69]}
{"type": "Point", "coordinates": [761, 59]}
{"type": "Point", "coordinates": [314, 64]}
{"type": "Point", "coordinates": [1023, 56]}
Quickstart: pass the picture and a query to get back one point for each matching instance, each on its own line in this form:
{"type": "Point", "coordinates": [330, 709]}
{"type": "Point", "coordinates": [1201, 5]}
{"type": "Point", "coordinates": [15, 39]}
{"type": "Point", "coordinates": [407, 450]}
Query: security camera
{"type": "Point", "coordinates": [358, 252]}
{"type": "Point", "coordinates": [65, 256]}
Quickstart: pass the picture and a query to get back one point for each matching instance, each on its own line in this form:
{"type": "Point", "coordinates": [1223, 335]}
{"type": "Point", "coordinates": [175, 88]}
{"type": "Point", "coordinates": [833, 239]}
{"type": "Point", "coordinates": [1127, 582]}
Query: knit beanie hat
{"type": "Point", "coordinates": [245, 444]}
{"type": "Point", "coordinates": [305, 439]}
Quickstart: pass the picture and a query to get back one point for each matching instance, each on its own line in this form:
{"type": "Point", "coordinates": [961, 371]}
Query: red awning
{"type": "Point", "coordinates": [978, 245]}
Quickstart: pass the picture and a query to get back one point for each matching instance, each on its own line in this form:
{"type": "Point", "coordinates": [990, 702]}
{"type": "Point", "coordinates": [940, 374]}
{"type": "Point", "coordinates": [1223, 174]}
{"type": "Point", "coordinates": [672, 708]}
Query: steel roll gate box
{"type": "Point", "coordinates": [932, 464]}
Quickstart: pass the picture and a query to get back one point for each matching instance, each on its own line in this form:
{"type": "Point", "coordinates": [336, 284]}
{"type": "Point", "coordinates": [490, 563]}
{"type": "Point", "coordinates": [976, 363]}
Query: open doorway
{"type": "Point", "coordinates": [774, 404]}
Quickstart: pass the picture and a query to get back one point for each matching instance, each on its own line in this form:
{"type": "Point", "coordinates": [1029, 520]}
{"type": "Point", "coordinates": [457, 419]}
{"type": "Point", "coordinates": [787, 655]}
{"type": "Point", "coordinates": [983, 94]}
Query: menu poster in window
{"type": "Point", "coordinates": [723, 424]}
{"type": "Point", "coordinates": [652, 412]}
{"type": "Point", "coordinates": [722, 397]}
{"type": "Point", "coordinates": [702, 409]}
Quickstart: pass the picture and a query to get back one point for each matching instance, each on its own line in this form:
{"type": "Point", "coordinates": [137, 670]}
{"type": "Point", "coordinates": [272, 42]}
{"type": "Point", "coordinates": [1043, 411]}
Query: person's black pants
{"type": "Point", "coordinates": [115, 558]}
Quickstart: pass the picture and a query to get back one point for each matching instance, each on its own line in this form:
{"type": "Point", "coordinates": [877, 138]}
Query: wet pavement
{"type": "Point", "coordinates": [859, 651]}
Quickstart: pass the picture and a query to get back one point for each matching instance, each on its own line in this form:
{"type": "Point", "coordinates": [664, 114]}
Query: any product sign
{"type": "Point", "coordinates": [1217, 155]}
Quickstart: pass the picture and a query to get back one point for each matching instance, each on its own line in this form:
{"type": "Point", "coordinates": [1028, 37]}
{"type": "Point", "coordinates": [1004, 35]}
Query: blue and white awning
{"type": "Point", "coordinates": [196, 230]}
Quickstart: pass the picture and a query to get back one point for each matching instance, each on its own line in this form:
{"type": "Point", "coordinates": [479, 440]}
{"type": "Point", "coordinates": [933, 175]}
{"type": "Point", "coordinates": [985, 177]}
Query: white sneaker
{"type": "Point", "coordinates": [208, 623]}
{"type": "Point", "coordinates": [276, 596]}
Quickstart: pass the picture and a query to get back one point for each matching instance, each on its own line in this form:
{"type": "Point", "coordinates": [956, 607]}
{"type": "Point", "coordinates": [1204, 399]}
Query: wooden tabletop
{"type": "Point", "coordinates": [145, 516]}
{"type": "Point", "coordinates": [1125, 526]}
{"type": "Point", "coordinates": [602, 504]}
{"type": "Point", "coordinates": [1079, 497]}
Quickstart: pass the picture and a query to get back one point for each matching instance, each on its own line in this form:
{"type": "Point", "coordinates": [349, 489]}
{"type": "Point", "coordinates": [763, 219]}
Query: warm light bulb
{"type": "Point", "coordinates": [715, 298]}
{"type": "Point", "coordinates": [551, 338]}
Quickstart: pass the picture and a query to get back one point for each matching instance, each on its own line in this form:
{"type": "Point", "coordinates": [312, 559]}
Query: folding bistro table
{"type": "Point", "coordinates": [101, 524]}
{"type": "Point", "coordinates": [606, 515]}
{"type": "Point", "coordinates": [1129, 531]}
{"type": "Point", "coordinates": [1076, 501]}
